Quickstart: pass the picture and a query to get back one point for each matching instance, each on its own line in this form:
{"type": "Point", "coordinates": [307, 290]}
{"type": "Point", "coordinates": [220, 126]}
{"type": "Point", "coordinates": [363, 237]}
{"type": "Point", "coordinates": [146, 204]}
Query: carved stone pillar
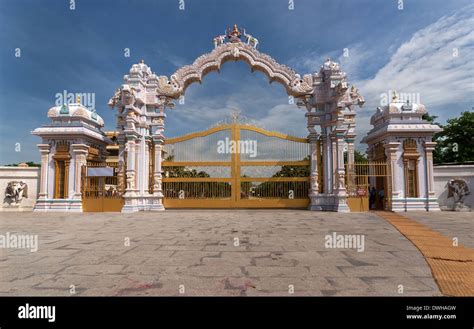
{"type": "Point", "coordinates": [431, 200]}
{"type": "Point", "coordinates": [66, 178]}
{"type": "Point", "coordinates": [340, 183]}
{"type": "Point", "coordinates": [158, 140]}
{"type": "Point", "coordinates": [314, 177]}
{"type": "Point", "coordinates": [325, 159]}
{"type": "Point", "coordinates": [315, 202]}
{"type": "Point", "coordinates": [350, 152]}
{"type": "Point", "coordinates": [138, 183]}
{"type": "Point", "coordinates": [339, 195]}
{"type": "Point", "coordinates": [121, 169]}
{"type": "Point", "coordinates": [146, 168]}
{"type": "Point", "coordinates": [80, 160]}
{"type": "Point", "coordinates": [391, 149]}
{"type": "Point", "coordinates": [130, 173]}
{"type": "Point", "coordinates": [44, 150]}
{"type": "Point", "coordinates": [334, 171]}
{"type": "Point", "coordinates": [429, 148]}
{"type": "Point", "coordinates": [157, 177]}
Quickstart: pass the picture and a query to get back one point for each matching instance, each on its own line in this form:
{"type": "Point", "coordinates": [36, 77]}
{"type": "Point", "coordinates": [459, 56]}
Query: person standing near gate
{"type": "Point", "coordinates": [372, 195]}
{"type": "Point", "coordinates": [381, 197]}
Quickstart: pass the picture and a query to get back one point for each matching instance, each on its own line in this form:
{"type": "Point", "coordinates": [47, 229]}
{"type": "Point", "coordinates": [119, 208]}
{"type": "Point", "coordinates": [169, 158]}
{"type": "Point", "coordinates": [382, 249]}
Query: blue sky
{"type": "Point", "coordinates": [82, 50]}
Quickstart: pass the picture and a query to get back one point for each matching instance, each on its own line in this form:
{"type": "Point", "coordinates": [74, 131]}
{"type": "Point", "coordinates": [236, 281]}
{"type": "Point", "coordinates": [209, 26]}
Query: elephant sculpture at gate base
{"type": "Point", "coordinates": [458, 189]}
{"type": "Point", "coordinates": [15, 192]}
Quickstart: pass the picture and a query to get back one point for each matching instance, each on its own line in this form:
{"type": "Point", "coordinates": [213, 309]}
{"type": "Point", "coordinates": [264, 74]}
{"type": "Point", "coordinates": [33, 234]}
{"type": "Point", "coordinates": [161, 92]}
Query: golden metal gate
{"type": "Point", "coordinates": [102, 188]}
{"type": "Point", "coordinates": [363, 177]}
{"type": "Point", "coordinates": [236, 166]}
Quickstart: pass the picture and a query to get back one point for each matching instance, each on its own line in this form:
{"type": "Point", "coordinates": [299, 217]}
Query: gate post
{"type": "Point", "coordinates": [130, 180]}
{"type": "Point", "coordinates": [314, 175]}
{"type": "Point", "coordinates": [79, 156]}
{"type": "Point", "coordinates": [157, 174]}
{"type": "Point", "coordinates": [340, 180]}
{"type": "Point", "coordinates": [391, 149]}
{"type": "Point", "coordinates": [157, 127]}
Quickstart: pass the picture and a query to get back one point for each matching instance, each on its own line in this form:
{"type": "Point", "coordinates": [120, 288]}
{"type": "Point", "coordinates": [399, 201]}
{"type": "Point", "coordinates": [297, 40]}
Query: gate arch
{"type": "Point", "coordinates": [236, 50]}
{"type": "Point", "coordinates": [325, 94]}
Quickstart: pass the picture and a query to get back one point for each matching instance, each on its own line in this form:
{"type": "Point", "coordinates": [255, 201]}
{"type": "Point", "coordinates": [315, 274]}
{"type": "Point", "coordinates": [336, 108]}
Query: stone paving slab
{"type": "Point", "coordinates": [279, 253]}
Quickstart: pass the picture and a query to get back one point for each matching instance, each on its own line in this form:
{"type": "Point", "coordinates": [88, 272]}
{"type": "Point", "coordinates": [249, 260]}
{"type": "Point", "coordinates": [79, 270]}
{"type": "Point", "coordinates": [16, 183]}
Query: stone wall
{"type": "Point", "coordinates": [29, 175]}
{"type": "Point", "coordinates": [443, 173]}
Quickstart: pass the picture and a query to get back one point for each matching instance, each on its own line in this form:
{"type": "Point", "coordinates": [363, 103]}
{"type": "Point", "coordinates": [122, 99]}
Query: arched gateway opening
{"type": "Point", "coordinates": [149, 167]}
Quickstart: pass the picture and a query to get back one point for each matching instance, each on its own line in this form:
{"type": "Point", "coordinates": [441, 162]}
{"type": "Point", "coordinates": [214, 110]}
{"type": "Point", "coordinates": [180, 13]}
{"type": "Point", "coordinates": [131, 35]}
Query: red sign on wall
{"type": "Point", "coordinates": [361, 191]}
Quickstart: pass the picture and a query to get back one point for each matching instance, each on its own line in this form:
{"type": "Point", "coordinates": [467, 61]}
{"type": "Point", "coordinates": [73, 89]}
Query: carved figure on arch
{"type": "Point", "coordinates": [219, 40]}
{"type": "Point", "coordinates": [251, 40]}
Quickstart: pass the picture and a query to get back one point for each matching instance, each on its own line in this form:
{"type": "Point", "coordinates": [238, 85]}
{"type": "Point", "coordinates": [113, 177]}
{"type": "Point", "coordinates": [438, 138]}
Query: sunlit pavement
{"type": "Point", "coordinates": [212, 252]}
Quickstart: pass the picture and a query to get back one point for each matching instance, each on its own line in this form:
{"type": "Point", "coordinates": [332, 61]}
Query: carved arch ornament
{"type": "Point", "coordinates": [324, 94]}
{"type": "Point", "coordinates": [176, 85]}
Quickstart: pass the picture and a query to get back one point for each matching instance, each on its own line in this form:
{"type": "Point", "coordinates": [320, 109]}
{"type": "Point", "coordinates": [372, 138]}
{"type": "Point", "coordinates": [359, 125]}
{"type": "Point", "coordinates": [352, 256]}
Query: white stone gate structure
{"type": "Point", "coordinates": [142, 99]}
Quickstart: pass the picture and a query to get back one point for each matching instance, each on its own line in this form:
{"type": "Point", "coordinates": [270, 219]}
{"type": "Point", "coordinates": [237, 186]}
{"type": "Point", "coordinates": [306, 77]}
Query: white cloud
{"type": "Point", "coordinates": [285, 118]}
{"type": "Point", "coordinates": [425, 64]}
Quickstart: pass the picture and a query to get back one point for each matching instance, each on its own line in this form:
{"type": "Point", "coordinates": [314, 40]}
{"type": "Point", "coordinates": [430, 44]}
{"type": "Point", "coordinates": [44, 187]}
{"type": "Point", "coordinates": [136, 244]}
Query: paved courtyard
{"type": "Point", "coordinates": [210, 252]}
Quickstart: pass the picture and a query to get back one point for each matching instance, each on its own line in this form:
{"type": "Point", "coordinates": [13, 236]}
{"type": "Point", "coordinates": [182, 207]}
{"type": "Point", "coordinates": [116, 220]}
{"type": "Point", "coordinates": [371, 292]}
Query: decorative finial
{"type": "Point", "coordinates": [235, 115]}
{"type": "Point", "coordinates": [234, 34]}
{"type": "Point", "coordinates": [142, 61]}
{"type": "Point", "coordinates": [78, 99]}
{"type": "Point", "coordinates": [394, 95]}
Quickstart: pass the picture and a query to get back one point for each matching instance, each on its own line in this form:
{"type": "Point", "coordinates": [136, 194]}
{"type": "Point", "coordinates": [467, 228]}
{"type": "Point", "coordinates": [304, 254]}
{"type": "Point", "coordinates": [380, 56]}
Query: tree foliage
{"type": "Point", "coordinates": [455, 144]}
{"type": "Point", "coordinates": [29, 163]}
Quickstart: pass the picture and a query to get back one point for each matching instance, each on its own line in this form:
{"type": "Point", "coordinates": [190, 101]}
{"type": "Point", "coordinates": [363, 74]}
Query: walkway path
{"type": "Point", "coordinates": [452, 264]}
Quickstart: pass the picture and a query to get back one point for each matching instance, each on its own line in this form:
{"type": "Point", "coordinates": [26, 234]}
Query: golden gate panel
{"type": "Point", "coordinates": [202, 170]}
{"type": "Point", "coordinates": [101, 188]}
{"type": "Point", "coordinates": [361, 178]}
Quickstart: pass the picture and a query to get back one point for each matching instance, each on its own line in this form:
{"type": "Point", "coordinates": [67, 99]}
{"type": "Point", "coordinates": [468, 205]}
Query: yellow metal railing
{"type": "Point", "coordinates": [361, 177]}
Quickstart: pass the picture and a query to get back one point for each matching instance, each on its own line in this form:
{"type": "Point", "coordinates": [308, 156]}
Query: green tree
{"type": "Point", "coordinates": [456, 141]}
{"type": "Point", "coordinates": [359, 156]}
{"type": "Point", "coordinates": [29, 163]}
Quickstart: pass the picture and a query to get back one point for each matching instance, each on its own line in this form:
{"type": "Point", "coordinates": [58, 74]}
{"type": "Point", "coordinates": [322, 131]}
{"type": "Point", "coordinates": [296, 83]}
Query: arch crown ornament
{"type": "Point", "coordinates": [230, 47]}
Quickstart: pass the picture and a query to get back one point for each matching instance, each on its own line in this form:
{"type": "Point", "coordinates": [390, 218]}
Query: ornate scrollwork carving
{"type": "Point", "coordinates": [175, 85]}
{"type": "Point", "coordinates": [123, 96]}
